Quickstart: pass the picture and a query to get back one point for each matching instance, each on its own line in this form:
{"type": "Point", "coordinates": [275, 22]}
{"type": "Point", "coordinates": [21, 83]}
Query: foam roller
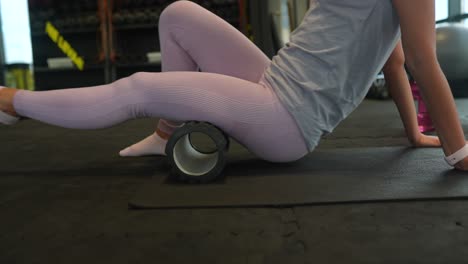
{"type": "Point", "coordinates": [191, 163]}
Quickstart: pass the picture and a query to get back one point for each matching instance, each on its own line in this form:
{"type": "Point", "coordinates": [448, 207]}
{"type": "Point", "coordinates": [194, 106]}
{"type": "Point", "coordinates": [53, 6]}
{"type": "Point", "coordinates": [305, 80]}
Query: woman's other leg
{"type": "Point", "coordinates": [249, 112]}
{"type": "Point", "coordinates": [194, 38]}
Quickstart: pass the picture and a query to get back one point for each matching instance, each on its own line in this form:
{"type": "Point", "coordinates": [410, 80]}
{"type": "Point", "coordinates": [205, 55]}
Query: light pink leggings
{"type": "Point", "coordinates": [230, 92]}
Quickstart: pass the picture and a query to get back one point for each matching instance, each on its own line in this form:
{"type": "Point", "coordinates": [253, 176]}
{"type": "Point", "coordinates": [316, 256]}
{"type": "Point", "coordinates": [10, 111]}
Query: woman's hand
{"type": "Point", "coordinates": [424, 141]}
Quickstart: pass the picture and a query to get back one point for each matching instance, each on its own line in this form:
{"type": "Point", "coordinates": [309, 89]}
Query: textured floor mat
{"type": "Point", "coordinates": [325, 176]}
{"type": "Point", "coordinates": [43, 153]}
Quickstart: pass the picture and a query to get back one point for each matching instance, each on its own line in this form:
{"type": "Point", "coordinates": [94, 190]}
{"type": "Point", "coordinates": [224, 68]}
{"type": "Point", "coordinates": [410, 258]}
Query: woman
{"type": "Point", "coordinates": [277, 109]}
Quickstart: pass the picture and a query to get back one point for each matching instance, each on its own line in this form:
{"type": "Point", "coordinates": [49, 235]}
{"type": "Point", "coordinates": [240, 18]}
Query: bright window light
{"type": "Point", "coordinates": [16, 31]}
{"type": "Point", "coordinates": [285, 25]}
{"type": "Point", "coordinates": [465, 9]}
{"type": "Point", "coordinates": [441, 9]}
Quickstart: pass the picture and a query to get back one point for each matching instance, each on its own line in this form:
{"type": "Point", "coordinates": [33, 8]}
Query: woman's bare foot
{"type": "Point", "coordinates": [6, 101]}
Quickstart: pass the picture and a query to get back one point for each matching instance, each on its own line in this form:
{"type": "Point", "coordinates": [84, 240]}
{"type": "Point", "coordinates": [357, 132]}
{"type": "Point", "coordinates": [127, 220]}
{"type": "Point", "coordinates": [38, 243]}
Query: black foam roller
{"type": "Point", "coordinates": [191, 165]}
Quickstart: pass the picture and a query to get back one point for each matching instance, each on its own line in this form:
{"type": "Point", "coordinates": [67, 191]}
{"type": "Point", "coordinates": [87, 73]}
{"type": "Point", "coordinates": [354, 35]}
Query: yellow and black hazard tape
{"type": "Point", "coordinates": [63, 45]}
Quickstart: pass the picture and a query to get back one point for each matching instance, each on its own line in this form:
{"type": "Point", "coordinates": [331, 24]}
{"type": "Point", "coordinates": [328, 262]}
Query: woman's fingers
{"type": "Point", "coordinates": [427, 142]}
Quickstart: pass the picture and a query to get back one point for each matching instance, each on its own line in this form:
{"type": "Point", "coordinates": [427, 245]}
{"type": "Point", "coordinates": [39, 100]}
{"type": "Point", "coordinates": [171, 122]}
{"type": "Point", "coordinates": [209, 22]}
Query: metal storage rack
{"type": "Point", "coordinates": [113, 36]}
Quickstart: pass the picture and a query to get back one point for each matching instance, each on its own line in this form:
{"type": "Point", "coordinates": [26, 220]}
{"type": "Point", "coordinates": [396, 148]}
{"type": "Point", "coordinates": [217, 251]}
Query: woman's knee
{"type": "Point", "coordinates": [176, 10]}
{"type": "Point", "coordinates": [136, 79]}
{"type": "Point", "coordinates": [138, 83]}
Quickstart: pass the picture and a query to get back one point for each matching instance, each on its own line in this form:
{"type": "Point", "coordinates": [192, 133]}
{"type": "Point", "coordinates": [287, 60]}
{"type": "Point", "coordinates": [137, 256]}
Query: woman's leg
{"type": "Point", "coordinates": [194, 38]}
{"type": "Point", "coordinates": [247, 111]}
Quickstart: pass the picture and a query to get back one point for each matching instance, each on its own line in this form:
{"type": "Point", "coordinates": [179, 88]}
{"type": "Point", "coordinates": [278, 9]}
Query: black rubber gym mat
{"type": "Point", "coordinates": [325, 176]}
{"type": "Point", "coordinates": [47, 154]}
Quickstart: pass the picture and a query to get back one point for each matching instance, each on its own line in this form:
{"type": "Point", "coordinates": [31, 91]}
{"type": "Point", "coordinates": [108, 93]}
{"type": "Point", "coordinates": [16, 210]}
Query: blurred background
{"type": "Point", "coordinates": [116, 38]}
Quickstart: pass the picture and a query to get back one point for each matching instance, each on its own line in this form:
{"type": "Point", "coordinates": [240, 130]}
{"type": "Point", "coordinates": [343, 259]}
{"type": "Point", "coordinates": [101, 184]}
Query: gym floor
{"type": "Point", "coordinates": [64, 195]}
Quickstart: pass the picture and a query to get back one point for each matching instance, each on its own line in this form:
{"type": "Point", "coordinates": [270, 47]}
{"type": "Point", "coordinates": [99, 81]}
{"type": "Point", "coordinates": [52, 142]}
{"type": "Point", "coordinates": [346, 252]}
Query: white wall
{"type": "Point", "coordinates": [279, 9]}
{"type": "Point", "coordinates": [16, 31]}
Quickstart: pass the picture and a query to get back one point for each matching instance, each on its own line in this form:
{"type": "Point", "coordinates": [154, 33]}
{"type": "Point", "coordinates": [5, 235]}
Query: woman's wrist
{"type": "Point", "coordinates": [458, 156]}
{"type": "Point", "coordinates": [415, 138]}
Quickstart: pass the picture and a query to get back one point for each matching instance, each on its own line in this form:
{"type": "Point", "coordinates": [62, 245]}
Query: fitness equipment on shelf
{"type": "Point", "coordinates": [452, 52]}
{"type": "Point", "coordinates": [378, 89]}
{"type": "Point", "coordinates": [193, 162]}
{"type": "Point", "coordinates": [452, 39]}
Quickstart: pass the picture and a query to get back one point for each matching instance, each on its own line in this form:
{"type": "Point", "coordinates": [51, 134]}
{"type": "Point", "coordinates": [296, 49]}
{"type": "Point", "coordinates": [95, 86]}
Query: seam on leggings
{"type": "Point", "coordinates": [256, 122]}
{"type": "Point", "coordinates": [160, 102]}
{"type": "Point", "coordinates": [236, 118]}
{"type": "Point", "coordinates": [181, 47]}
{"type": "Point", "coordinates": [54, 117]}
{"type": "Point", "coordinates": [185, 89]}
{"type": "Point", "coordinates": [91, 104]}
{"type": "Point", "coordinates": [176, 26]}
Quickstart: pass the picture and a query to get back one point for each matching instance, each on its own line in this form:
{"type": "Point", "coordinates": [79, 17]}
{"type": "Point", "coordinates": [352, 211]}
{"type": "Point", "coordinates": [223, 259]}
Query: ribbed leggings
{"type": "Point", "coordinates": [229, 92]}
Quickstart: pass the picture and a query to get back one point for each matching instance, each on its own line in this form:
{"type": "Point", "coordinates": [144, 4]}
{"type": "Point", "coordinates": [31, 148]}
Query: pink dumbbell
{"type": "Point", "coordinates": [424, 119]}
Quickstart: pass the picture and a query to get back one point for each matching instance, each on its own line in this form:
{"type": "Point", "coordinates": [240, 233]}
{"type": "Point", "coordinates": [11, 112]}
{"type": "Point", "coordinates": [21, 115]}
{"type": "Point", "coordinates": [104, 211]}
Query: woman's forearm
{"type": "Point", "coordinates": [440, 104]}
{"type": "Point", "coordinates": [400, 90]}
{"type": "Point", "coordinates": [417, 21]}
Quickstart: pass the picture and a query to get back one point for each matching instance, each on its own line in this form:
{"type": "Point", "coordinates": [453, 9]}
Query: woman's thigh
{"type": "Point", "coordinates": [249, 112]}
{"type": "Point", "coordinates": [192, 36]}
